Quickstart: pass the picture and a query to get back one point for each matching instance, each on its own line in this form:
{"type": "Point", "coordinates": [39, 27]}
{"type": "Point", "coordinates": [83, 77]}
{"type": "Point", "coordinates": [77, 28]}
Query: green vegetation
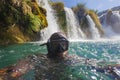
{"type": "Point", "coordinates": [24, 18]}
{"type": "Point", "coordinates": [80, 7]}
{"type": "Point", "coordinates": [60, 13]}
{"type": "Point", "coordinates": [12, 35]}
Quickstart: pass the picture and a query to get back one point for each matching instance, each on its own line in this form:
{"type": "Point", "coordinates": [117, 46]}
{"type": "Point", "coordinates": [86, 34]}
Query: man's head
{"type": "Point", "coordinates": [57, 45]}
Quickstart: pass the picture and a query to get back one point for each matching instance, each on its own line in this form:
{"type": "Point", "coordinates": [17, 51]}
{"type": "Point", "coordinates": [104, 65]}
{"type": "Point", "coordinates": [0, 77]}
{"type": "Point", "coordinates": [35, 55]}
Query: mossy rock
{"type": "Point", "coordinates": [18, 13]}
{"type": "Point", "coordinates": [12, 35]}
{"type": "Point", "coordinates": [40, 13]}
{"type": "Point", "coordinates": [34, 23]}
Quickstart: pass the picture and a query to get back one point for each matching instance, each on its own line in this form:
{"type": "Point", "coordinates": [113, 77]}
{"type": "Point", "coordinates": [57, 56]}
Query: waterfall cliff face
{"type": "Point", "coordinates": [111, 23]}
{"type": "Point", "coordinates": [52, 21]}
{"type": "Point", "coordinates": [73, 27]}
{"type": "Point", "coordinates": [115, 21]}
{"type": "Point", "coordinates": [94, 31]}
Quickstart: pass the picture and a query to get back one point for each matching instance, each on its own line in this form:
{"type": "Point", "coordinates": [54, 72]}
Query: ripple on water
{"type": "Point", "coordinates": [1, 56]}
{"type": "Point", "coordinates": [11, 51]}
{"type": "Point", "coordinates": [94, 77]}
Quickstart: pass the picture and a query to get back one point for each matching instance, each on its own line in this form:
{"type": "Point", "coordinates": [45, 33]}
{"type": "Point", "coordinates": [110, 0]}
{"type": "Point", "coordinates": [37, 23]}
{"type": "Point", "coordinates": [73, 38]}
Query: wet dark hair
{"type": "Point", "coordinates": [57, 44]}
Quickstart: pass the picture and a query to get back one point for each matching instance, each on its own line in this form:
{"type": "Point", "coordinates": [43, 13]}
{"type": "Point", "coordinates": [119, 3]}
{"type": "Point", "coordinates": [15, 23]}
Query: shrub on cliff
{"type": "Point", "coordinates": [58, 6]}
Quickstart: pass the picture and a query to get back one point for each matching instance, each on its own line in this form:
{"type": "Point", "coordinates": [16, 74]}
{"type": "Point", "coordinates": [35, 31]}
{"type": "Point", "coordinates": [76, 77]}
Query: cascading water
{"type": "Point", "coordinates": [111, 24]}
{"type": "Point", "coordinates": [109, 33]}
{"type": "Point", "coordinates": [74, 31]}
{"type": "Point", "coordinates": [115, 21]}
{"type": "Point", "coordinates": [94, 31]}
{"type": "Point", "coordinates": [52, 22]}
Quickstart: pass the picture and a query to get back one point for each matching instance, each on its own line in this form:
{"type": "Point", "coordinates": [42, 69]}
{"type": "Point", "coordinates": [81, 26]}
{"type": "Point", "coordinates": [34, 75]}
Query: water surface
{"type": "Point", "coordinates": [103, 53]}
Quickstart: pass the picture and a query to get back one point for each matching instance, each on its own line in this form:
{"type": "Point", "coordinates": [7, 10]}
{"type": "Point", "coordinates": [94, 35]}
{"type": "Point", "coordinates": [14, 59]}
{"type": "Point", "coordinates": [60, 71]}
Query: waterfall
{"type": "Point", "coordinates": [52, 22]}
{"type": "Point", "coordinates": [109, 33]}
{"type": "Point", "coordinates": [115, 21]}
{"type": "Point", "coordinates": [74, 31]}
{"type": "Point", "coordinates": [111, 24]}
{"type": "Point", "coordinates": [94, 31]}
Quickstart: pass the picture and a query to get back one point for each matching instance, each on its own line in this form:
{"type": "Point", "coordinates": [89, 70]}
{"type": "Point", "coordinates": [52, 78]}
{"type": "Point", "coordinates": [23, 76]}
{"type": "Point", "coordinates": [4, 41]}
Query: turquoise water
{"type": "Point", "coordinates": [11, 53]}
{"type": "Point", "coordinates": [105, 53]}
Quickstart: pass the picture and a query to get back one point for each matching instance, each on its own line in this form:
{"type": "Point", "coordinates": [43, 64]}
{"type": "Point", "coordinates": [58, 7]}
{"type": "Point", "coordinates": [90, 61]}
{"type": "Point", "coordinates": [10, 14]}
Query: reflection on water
{"type": "Point", "coordinates": [85, 63]}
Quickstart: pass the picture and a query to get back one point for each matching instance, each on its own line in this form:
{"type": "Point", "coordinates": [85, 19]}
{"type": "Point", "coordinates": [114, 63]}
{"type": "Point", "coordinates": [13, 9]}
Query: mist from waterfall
{"type": "Point", "coordinates": [94, 31]}
{"type": "Point", "coordinates": [73, 27]}
{"type": "Point", "coordinates": [52, 21]}
{"type": "Point", "coordinates": [111, 25]}
{"type": "Point", "coordinates": [109, 33]}
{"type": "Point", "coordinates": [115, 21]}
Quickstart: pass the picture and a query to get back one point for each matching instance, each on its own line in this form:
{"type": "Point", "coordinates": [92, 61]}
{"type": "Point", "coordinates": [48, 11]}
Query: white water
{"type": "Point", "coordinates": [74, 31]}
{"type": "Point", "coordinates": [52, 22]}
{"type": "Point", "coordinates": [111, 31]}
{"type": "Point", "coordinates": [115, 19]}
{"type": "Point", "coordinates": [93, 29]}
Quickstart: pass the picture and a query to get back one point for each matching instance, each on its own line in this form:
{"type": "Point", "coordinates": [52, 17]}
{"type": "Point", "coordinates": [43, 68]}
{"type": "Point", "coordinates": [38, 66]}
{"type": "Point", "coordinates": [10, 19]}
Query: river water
{"type": "Point", "coordinates": [103, 52]}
